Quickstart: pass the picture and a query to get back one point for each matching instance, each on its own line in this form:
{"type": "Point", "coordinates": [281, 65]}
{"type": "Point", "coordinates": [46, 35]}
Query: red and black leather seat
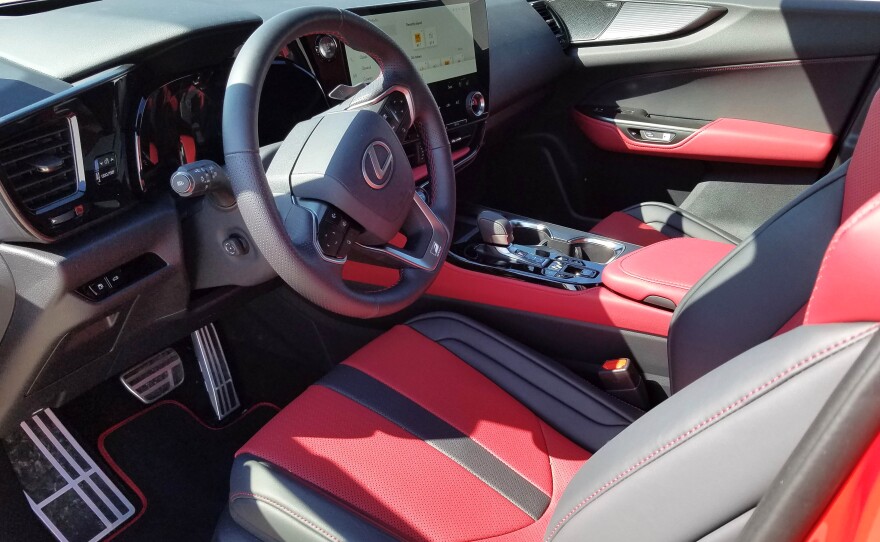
{"type": "Point", "coordinates": [442, 429]}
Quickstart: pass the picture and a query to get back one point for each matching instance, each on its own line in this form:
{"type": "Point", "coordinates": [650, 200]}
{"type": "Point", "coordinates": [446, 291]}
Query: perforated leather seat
{"type": "Point", "coordinates": [442, 429]}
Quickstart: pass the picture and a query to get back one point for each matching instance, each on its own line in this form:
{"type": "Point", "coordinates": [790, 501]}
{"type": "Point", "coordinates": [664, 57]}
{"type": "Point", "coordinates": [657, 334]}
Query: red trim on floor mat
{"type": "Point", "coordinates": [125, 478]}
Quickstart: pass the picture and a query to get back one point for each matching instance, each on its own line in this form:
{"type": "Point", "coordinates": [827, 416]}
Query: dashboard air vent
{"type": "Point", "coordinates": [550, 18]}
{"type": "Point", "coordinates": [42, 166]}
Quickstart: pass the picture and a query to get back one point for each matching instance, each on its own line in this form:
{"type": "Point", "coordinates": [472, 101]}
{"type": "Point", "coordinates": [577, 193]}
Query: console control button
{"type": "Point", "coordinates": [115, 279]}
{"type": "Point", "coordinates": [99, 288]}
{"type": "Point", "coordinates": [476, 104]}
{"type": "Point", "coordinates": [106, 169]}
{"type": "Point", "coordinates": [537, 261]}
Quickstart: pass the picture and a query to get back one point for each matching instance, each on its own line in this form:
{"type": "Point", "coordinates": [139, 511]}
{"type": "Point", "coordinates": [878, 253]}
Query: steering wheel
{"type": "Point", "coordinates": [341, 179]}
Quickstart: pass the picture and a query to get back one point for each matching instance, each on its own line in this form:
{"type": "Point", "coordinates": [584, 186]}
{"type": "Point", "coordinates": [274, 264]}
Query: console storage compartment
{"type": "Point", "coordinates": [661, 274]}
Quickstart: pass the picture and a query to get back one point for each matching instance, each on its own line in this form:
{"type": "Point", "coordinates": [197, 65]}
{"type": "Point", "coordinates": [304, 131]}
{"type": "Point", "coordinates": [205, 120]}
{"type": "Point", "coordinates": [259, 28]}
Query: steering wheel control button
{"type": "Point", "coordinates": [236, 245]}
{"type": "Point", "coordinates": [377, 164]}
{"type": "Point", "coordinates": [336, 233]}
{"type": "Point", "coordinates": [476, 104]}
{"type": "Point", "coordinates": [326, 47]}
{"type": "Point", "coordinates": [395, 111]}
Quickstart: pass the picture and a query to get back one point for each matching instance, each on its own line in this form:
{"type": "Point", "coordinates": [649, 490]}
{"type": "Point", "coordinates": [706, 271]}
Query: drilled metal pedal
{"type": "Point", "coordinates": [215, 370]}
{"type": "Point", "coordinates": [155, 377]}
{"type": "Point", "coordinates": [66, 489]}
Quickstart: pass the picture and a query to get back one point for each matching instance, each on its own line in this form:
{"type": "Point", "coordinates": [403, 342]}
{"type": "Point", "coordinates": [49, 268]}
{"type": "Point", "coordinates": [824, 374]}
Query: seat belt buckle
{"type": "Point", "coordinates": [621, 378]}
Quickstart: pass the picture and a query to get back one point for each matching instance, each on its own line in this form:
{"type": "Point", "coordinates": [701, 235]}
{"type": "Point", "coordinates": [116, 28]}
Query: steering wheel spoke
{"type": "Point", "coordinates": [393, 102]}
{"type": "Point", "coordinates": [426, 237]}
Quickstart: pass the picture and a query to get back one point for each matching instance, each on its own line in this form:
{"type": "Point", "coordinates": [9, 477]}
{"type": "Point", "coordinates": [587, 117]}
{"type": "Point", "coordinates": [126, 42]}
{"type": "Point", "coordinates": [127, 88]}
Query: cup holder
{"type": "Point", "coordinates": [525, 233]}
{"type": "Point", "coordinates": [597, 250]}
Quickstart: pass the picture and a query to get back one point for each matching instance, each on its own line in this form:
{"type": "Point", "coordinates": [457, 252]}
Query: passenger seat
{"type": "Point", "coordinates": [651, 222]}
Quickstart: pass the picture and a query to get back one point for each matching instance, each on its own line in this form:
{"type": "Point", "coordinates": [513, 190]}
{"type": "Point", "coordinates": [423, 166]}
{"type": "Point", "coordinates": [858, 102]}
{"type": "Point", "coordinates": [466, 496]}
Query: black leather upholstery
{"type": "Point", "coordinates": [753, 292]}
{"type": "Point", "coordinates": [585, 414]}
{"type": "Point", "coordinates": [708, 454]}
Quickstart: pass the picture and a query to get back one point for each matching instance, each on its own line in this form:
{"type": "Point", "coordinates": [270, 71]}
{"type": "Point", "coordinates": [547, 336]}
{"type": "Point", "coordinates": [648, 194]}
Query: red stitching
{"type": "Point", "coordinates": [283, 508]}
{"type": "Point", "coordinates": [848, 225]}
{"type": "Point", "coordinates": [705, 423]}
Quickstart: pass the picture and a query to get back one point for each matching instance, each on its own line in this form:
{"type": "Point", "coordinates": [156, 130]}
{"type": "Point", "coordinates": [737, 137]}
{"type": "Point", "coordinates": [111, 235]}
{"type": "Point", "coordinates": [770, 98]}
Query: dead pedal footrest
{"type": "Point", "coordinates": [66, 489]}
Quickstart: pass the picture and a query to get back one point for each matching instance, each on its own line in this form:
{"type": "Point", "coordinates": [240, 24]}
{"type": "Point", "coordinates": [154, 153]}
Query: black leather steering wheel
{"type": "Point", "coordinates": [347, 159]}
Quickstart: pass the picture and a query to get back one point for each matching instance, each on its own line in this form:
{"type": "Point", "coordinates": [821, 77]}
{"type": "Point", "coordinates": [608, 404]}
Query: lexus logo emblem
{"type": "Point", "coordinates": [377, 164]}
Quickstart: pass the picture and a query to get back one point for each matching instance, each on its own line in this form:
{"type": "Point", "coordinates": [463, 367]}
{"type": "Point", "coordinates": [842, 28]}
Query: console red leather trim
{"type": "Point", "coordinates": [596, 305]}
{"type": "Point", "coordinates": [627, 228]}
{"type": "Point", "coordinates": [863, 175]}
{"type": "Point", "coordinates": [847, 287]}
{"type": "Point", "coordinates": [398, 480]}
{"type": "Point", "coordinates": [667, 269]}
{"type": "Point", "coordinates": [420, 172]}
{"type": "Point", "coordinates": [722, 140]}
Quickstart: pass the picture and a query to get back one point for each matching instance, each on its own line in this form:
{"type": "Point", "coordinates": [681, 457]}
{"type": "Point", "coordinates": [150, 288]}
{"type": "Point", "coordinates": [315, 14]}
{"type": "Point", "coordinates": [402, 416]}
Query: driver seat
{"type": "Point", "coordinates": [443, 429]}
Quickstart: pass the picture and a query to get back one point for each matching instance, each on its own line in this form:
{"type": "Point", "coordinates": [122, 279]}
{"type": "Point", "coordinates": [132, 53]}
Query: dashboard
{"type": "Point", "coordinates": [99, 260]}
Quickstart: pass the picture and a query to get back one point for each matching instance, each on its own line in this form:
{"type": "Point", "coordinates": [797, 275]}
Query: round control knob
{"type": "Point", "coordinates": [476, 104]}
{"type": "Point", "coordinates": [183, 183]}
{"type": "Point", "coordinates": [326, 47]}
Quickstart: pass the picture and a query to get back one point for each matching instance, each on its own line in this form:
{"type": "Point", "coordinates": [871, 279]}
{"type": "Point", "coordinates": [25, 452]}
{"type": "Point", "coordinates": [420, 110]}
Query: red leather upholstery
{"type": "Point", "coordinates": [863, 176]}
{"type": "Point", "coordinates": [399, 481]}
{"type": "Point", "coordinates": [627, 228]}
{"type": "Point", "coordinates": [667, 269]}
{"type": "Point", "coordinates": [723, 140]}
{"type": "Point", "coordinates": [596, 305]}
{"type": "Point", "coordinates": [848, 285]}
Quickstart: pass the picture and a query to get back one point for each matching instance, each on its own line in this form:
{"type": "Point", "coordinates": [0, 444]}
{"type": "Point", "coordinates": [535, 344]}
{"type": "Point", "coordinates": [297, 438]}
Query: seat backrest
{"type": "Point", "coordinates": [765, 282]}
{"type": "Point", "coordinates": [698, 464]}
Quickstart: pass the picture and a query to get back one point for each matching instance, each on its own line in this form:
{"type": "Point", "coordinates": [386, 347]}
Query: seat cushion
{"type": "Point", "coordinates": [652, 222]}
{"type": "Point", "coordinates": [407, 439]}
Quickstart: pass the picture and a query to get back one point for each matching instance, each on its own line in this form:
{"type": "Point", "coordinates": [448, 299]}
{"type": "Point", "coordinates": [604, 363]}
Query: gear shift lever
{"type": "Point", "coordinates": [495, 229]}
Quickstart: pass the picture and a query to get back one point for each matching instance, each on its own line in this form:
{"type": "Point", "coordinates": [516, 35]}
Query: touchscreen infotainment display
{"type": "Point", "coordinates": [439, 40]}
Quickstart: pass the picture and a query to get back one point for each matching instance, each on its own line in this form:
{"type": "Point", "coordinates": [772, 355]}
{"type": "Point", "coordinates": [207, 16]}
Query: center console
{"type": "Point", "coordinates": [514, 246]}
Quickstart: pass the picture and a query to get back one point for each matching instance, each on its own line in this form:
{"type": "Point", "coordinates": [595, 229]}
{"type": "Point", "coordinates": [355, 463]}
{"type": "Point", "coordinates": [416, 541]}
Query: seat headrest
{"type": "Point", "coordinates": [848, 285]}
{"type": "Point", "coordinates": [863, 176]}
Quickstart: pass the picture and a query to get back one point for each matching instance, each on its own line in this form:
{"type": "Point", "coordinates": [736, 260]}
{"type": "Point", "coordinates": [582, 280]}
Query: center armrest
{"type": "Point", "coordinates": [661, 274]}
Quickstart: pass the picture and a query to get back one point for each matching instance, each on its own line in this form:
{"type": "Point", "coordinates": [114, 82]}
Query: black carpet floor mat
{"type": "Point", "coordinates": [178, 467]}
